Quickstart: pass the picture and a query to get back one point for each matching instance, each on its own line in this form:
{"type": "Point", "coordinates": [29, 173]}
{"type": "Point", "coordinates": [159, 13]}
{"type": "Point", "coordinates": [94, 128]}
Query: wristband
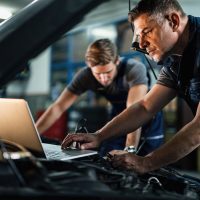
{"type": "Point", "coordinates": [130, 149]}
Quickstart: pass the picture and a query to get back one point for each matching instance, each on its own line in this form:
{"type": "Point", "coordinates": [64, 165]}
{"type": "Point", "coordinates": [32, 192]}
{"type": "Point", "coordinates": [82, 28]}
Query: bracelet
{"type": "Point", "coordinates": [130, 149]}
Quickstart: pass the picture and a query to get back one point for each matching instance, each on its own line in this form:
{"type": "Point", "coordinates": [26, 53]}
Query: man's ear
{"type": "Point", "coordinates": [174, 21]}
{"type": "Point", "coordinates": [117, 61]}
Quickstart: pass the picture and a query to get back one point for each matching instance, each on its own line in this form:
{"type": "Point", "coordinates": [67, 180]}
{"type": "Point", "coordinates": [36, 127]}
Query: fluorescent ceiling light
{"type": "Point", "coordinates": [5, 13]}
{"type": "Point", "coordinates": [109, 32]}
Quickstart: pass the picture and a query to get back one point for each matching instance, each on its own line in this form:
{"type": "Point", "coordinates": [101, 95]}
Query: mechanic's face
{"type": "Point", "coordinates": [157, 39]}
{"type": "Point", "coordinates": [105, 74]}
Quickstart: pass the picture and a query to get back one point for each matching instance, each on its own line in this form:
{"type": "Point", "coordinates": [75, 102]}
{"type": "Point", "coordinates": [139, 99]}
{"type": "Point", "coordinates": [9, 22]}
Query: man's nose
{"type": "Point", "coordinates": [103, 77]}
{"type": "Point", "coordinates": [139, 42]}
{"type": "Point", "coordinates": [143, 43]}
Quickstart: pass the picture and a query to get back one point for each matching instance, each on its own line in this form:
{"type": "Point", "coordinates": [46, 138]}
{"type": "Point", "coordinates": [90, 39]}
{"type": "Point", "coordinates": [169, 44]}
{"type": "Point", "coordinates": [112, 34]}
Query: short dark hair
{"type": "Point", "coordinates": [101, 52]}
{"type": "Point", "coordinates": [154, 8]}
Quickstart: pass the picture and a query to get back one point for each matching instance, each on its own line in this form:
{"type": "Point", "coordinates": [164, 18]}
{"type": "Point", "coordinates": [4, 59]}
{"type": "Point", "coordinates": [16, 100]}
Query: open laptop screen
{"type": "Point", "coordinates": [17, 125]}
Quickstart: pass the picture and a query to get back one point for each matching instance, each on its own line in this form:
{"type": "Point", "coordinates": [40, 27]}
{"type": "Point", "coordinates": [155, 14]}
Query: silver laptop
{"type": "Point", "coordinates": [17, 125]}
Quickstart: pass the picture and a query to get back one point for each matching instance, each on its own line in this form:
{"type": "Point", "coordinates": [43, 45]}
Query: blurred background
{"type": "Point", "coordinates": [49, 73]}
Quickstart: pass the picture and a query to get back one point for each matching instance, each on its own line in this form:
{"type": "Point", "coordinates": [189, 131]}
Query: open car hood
{"type": "Point", "coordinates": [34, 28]}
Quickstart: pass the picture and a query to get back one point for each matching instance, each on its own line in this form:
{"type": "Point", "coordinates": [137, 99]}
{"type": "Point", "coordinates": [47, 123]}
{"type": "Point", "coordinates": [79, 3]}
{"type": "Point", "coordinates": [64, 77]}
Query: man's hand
{"type": "Point", "coordinates": [85, 141]}
{"type": "Point", "coordinates": [123, 160]}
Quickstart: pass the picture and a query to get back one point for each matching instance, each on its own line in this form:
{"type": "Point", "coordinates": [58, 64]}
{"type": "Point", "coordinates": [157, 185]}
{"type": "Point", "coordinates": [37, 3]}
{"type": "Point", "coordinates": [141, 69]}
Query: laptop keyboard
{"type": "Point", "coordinates": [56, 155]}
{"type": "Point", "coordinates": [54, 152]}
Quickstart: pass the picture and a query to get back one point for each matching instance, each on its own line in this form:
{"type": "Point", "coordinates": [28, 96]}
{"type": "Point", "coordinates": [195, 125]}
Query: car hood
{"type": "Point", "coordinates": [34, 28]}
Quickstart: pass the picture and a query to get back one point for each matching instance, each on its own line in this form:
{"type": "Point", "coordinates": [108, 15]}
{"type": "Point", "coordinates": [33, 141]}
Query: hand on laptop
{"type": "Point", "coordinates": [84, 141]}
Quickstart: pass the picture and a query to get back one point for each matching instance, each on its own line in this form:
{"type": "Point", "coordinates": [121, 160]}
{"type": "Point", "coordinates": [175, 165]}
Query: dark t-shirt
{"type": "Point", "coordinates": [130, 73]}
{"type": "Point", "coordinates": [182, 73]}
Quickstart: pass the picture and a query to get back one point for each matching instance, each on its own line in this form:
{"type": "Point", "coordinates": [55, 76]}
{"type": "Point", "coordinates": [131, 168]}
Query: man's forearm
{"type": "Point", "coordinates": [47, 119]}
{"type": "Point", "coordinates": [133, 138]}
{"type": "Point", "coordinates": [128, 121]}
{"type": "Point", "coordinates": [184, 142]}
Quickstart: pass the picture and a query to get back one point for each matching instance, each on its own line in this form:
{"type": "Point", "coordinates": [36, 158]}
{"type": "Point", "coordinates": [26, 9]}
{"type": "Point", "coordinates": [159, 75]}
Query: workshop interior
{"type": "Point", "coordinates": [42, 47]}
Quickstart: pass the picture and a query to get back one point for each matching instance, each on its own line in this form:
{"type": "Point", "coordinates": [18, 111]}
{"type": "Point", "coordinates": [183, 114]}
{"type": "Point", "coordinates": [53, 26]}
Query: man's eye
{"type": "Point", "coordinates": [148, 32]}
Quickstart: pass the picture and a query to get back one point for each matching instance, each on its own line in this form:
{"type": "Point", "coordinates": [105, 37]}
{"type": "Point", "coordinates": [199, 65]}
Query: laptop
{"type": "Point", "coordinates": [17, 125]}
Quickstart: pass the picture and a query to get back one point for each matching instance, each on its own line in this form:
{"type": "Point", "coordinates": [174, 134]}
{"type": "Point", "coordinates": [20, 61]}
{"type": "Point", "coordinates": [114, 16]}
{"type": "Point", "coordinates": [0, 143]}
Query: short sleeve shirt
{"type": "Point", "coordinates": [130, 73]}
{"type": "Point", "coordinates": [182, 77]}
